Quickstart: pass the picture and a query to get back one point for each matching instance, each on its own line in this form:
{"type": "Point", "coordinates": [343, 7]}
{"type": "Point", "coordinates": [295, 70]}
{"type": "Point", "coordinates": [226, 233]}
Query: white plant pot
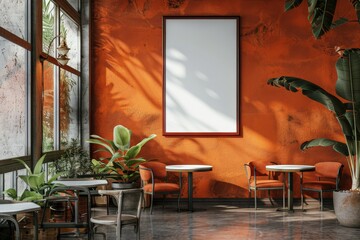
{"type": "Point", "coordinates": [347, 208]}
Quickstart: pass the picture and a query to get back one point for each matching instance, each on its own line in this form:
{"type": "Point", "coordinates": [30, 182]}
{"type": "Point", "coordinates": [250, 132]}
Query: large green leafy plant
{"type": "Point", "coordinates": [38, 186]}
{"type": "Point", "coordinates": [347, 113]}
{"type": "Point", "coordinates": [121, 158]}
{"type": "Point", "coordinates": [321, 14]}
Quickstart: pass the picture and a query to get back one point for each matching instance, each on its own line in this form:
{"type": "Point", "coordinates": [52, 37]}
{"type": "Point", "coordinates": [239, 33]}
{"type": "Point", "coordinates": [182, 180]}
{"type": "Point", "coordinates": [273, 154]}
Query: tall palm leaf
{"type": "Point", "coordinates": [348, 87]}
{"type": "Point", "coordinates": [321, 14]}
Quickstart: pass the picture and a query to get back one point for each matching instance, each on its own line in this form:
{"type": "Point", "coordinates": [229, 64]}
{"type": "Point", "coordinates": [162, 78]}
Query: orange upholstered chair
{"type": "Point", "coordinates": [328, 176]}
{"type": "Point", "coordinates": [153, 180]}
{"type": "Point", "coordinates": [261, 179]}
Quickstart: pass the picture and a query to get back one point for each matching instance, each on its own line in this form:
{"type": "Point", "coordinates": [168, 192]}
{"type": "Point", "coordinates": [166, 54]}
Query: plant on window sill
{"type": "Point", "coordinates": [38, 187]}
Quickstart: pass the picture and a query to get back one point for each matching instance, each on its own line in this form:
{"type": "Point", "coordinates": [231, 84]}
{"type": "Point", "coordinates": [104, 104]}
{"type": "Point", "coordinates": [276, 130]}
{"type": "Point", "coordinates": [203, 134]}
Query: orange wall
{"type": "Point", "coordinates": [127, 86]}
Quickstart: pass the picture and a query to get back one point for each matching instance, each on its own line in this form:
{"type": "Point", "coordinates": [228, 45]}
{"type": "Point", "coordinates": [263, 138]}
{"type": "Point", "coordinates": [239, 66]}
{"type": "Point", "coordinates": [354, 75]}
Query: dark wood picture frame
{"type": "Point", "coordinates": [201, 76]}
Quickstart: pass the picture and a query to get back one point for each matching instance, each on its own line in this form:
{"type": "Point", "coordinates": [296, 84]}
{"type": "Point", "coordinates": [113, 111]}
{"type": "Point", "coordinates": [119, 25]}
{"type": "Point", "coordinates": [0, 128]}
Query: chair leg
{"type": "Point", "coordinates": [118, 232]}
{"type": "Point", "coordinates": [321, 201]}
{"type": "Point", "coordinates": [255, 199]}
{"type": "Point", "coordinates": [138, 230]}
{"type": "Point", "coordinates": [302, 199]}
{"type": "Point", "coordinates": [272, 204]}
{"type": "Point", "coordinates": [95, 232]}
{"type": "Point", "coordinates": [12, 219]}
{"type": "Point", "coordinates": [151, 203]}
{"type": "Point", "coordinates": [283, 197]}
{"type": "Point", "coordinates": [178, 202]}
{"type": "Point", "coordinates": [163, 202]}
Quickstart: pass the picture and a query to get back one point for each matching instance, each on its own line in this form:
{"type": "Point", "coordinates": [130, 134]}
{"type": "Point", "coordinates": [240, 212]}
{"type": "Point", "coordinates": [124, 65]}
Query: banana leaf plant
{"type": "Point", "coordinates": [38, 186]}
{"type": "Point", "coordinates": [321, 14]}
{"type": "Point", "coordinates": [121, 158]}
{"type": "Point", "coordinates": [347, 113]}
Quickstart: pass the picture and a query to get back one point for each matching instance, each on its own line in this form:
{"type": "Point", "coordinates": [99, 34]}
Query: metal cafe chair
{"type": "Point", "coordinates": [255, 173]}
{"type": "Point", "coordinates": [154, 181]}
{"type": "Point", "coordinates": [128, 211]}
{"type": "Point", "coordinates": [328, 176]}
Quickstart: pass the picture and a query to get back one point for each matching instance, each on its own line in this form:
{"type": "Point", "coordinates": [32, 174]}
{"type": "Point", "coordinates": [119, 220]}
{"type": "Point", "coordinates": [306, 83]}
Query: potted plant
{"type": "Point", "coordinates": [38, 186]}
{"type": "Point", "coordinates": [121, 158]}
{"type": "Point", "coordinates": [347, 113]}
{"type": "Point", "coordinates": [74, 162]}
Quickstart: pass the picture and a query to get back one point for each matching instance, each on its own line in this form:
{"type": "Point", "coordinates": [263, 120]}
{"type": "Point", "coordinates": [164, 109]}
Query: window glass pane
{"type": "Point", "coordinates": [71, 31]}
{"type": "Point", "coordinates": [68, 107]}
{"type": "Point", "coordinates": [48, 27]}
{"type": "Point", "coordinates": [74, 4]}
{"type": "Point", "coordinates": [48, 107]}
{"type": "Point", "coordinates": [13, 17]}
{"type": "Point", "coordinates": [13, 99]}
{"type": "Point", "coordinates": [9, 182]}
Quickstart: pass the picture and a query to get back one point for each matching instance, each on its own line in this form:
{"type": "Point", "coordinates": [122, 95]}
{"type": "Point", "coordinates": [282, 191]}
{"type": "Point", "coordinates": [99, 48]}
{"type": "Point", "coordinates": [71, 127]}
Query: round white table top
{"type": "Point", "coordinates": [82, 183]}
{"type": "Point", "coordinates": [188, 168]}
{"type": "Point", "coordinates": [18, 207]}
{"type": "Point", "coordinates": [290, 168]}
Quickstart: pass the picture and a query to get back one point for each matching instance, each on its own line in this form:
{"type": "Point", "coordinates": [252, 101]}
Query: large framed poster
{"type": "Point", "coordinates": [201, 76]}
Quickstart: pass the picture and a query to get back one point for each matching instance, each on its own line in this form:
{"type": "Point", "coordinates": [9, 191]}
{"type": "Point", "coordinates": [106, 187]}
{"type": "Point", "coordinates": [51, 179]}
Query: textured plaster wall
{"type": "Point", "coordinates": [127, 86]}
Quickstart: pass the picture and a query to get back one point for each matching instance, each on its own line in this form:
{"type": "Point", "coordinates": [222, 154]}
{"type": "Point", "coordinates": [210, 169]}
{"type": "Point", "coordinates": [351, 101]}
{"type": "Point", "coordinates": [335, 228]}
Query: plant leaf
{"type": "Point", "coordinates": [11, 192]}
{"type": "Point", "coordinates": [35, 181]}
{"type": "Point", "coordinates": [324, 142]}
{"type": "Point", "coordinates": [356, 4]}
{"type": "Point", "coordinates": [25, 178]}
{"type": "Point", "coordinates": [38, 166]}
{"type": "Point", "coordinates": [135, 150]}
{"type": "Point", "coordinates": [290, 4]}
{"type": "Point", "coordinates": [339, 22]}
{"type": "Point", "coordinates": [135, 162]}
{"type": "Point", "coordinates": [321, 13]}
{"type": "Point", "coordinates": [25, 165]}
{"type": "Point", "coordinates": [102, 142]}
{"type": "Point", "coordinates": [117, 155]}
{"type": "Point", "coordinates": [53, 178]}
{"type": "Point", "coordinates": [310, 90]}
{"type": "Point", "coordinates": [30, 196]}
{"type": "Point", "coordinates": [122, 137]}
{"type": "Point", "coordinates": [348, 72]}
{"type": "Point", "coordinates": [318, 94]}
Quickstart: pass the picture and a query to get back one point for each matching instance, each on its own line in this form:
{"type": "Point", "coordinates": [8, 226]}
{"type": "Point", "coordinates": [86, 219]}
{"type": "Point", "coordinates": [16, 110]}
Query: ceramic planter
{"type": "Point", "coordinates": [347, 208]}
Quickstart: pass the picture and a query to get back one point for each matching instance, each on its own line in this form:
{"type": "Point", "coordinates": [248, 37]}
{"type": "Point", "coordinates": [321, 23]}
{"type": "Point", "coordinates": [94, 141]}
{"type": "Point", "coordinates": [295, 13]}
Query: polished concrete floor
{"type": "Point", "coordinates": [214, 221]}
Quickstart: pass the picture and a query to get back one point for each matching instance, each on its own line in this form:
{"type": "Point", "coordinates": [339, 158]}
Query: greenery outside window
{"type": "Point", "coordinates": [60, 83]}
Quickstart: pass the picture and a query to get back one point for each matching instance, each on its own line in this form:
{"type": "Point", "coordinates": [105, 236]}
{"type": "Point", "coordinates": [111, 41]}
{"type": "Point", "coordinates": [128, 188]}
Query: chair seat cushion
{"type": "Point", "coordinates": [111, 219]}
{"type": "Point", "coordinates": [267, 184]}
{"type": "Point", "coordinates": [319, 185]}
{"type": "Point", "coordinates": [162, 187]}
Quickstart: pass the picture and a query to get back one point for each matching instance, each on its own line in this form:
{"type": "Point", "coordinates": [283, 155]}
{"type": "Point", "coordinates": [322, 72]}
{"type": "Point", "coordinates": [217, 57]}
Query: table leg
{"type": "Point", "coordinates": [190, 191]}
{"type": "Point", "coordinates": [290, 192]}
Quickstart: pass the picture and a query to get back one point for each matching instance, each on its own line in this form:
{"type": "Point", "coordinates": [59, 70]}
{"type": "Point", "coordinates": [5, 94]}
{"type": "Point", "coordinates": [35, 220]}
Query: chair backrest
{"type": "Point", "coordinates": [157, 168]}
{"type": "Point", "coordinates": [258, 168]}
{"type": "Point", "coordinates": [332, 170]}
{"type": "Point", "coordinates": [129, 202]}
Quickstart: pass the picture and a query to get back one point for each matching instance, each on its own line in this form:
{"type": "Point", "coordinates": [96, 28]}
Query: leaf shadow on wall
{"type": "Point", "coordinates": [122, 96]}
